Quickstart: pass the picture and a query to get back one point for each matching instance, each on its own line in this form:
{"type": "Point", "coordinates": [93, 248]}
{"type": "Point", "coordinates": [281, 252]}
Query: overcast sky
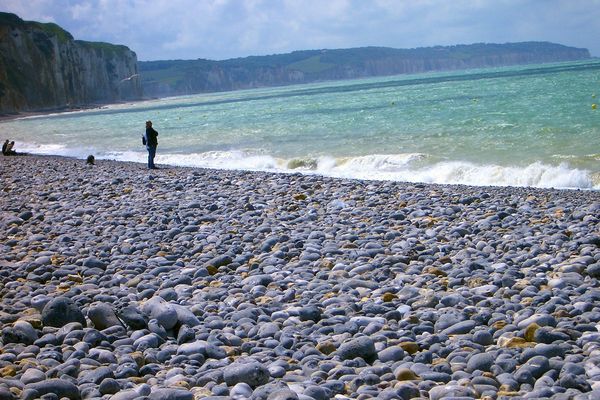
{"type": "Point", "coordinates": [221, 29]}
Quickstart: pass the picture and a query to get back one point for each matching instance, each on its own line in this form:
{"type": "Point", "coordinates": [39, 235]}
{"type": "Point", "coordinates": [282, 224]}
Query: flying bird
{"type": "Point", "coordinates": [130, 78]}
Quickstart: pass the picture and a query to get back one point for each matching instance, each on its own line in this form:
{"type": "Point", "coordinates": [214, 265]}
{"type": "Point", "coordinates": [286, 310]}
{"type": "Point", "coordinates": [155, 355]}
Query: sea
{"type": "Point", "coordinates": [532, 125]}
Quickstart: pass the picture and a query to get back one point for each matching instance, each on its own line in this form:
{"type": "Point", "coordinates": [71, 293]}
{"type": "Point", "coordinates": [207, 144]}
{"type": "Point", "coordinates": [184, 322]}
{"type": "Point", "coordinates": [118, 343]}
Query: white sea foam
{"type": "Point", "coordinates": [410, 167]}
{"type": "Point", "coordinates": [53, 149]}
{"type": "Point", "coordinates": [380, 163]}
{"type": "Point", "coordinates": [223, 160]}
{"type": "Point", "coordinates": [237, 160]}
{"type": "Point", "coordinates": [461, 172]}
{"type": "Point", "coordinates": [400, 167]}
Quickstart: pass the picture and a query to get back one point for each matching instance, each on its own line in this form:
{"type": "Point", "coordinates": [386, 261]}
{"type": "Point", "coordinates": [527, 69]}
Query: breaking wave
{"type": "Point", "coordinates": [412, 167]}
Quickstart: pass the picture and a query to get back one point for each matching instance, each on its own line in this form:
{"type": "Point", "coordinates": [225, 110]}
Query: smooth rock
{"type": "Point", "coordinates": [103, 316]}
{"type": "Point", "coordinates": [252, 373]}
{"type": "Point", "coordinates": [170, 394]}
{"type": "Point", "coordinates": [481, 361]}
{"type": "Point", "coordinates": [157, 308]}
{"type": "Point", "coordinates": [60, 311]}
{"type": "Point", "coordinates": [362, 347]}
{"type": "Point", "coordinates": [132, 317]}
{"type": "Point", "coordinates": [59, 387]}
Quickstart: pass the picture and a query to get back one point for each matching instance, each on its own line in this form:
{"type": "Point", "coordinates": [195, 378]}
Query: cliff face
{"type": "Point", "coordinates": [168, 78]}
{"type": "Point", "coordinates": [43, 68]}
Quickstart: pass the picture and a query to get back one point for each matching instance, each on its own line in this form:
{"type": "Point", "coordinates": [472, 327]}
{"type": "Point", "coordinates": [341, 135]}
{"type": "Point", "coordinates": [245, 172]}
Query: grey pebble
{"type": "Point", "coordinates": [59, 387]}
{"type": "Point", "coordinates": [251, 373]}
{"type": "Point", "coordinates": [362, 347]}
{"type": "Point", "coordinates": [60, 311]}
{"type": "Point", "coordinates": [170, 394]}
{"type": "Point", "coordinates": [103, 316]}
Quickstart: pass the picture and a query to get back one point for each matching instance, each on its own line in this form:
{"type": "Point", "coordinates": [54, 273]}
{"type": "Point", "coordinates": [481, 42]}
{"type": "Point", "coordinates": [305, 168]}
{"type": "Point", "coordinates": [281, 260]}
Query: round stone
{"type": "Point", "coordinates": [253, 373]}
{"type": "Point", "coordinates": [481, 361]}
{"type": "Point", "coordinates": [362, 347]}
{"type": "Point", "coordinates": [103, 316]}
{"type": "Point", "coordinates": [61, 311]}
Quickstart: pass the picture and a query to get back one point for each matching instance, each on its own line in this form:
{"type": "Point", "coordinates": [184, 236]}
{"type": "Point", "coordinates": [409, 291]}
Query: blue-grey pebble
{"type": "Point", "coordinates": [317, 392]}
{"type": "Point", "coordinates": [60, 387]}
{"type": "Point", "coordinates": [362, 347]}
{"type": "Point", "coordinates": [282, 394]}
{"type": "Point", "coordinates": [480, 361]}
{"type": "Point", "coordinates": [133, 317]}
{"type": "Point", "coordinates": [20, 332]}
{"type": "Point", "coordinates": [6, 394]}
{"type": "Point", "coordinates": [93, 262]}
{"type": "Point", "coordinates": [391, 354]}
{"type": "Point", "coordinates": [170, 394]}
{"type": "Point", "coordinates": [240, 390]}
{"type": "Point", "coordinates": [60, 311]}
{"type": "Point", "coordinates": [483, 337]}
{"type": "Point", "coordinates": [538, 365]}
{"type": "Point", "coordinates": [159, 309]}
{"type": "Point", "coordinates": [103, 316]}
{"type": "Point", "coordinates": [109, 386]}
{"type": "Point", "coordinates": [252, 373]}
{"type": "Point", "coordinates": [460, 328]}
{"type": "Point", "coordinates": [578, 382]}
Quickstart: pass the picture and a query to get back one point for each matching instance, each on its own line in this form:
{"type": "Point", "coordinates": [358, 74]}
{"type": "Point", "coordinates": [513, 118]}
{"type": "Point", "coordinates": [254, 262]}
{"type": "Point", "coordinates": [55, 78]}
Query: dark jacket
{"type": "Point", "coordinates": [151, 137]}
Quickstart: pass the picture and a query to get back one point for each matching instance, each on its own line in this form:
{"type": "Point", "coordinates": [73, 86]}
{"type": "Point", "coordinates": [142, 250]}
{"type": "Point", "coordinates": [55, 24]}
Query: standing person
{"type": "Point", "coordinates": [150, 139]}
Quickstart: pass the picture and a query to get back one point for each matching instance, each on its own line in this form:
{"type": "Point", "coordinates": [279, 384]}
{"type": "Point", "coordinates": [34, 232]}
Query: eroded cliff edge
{"type": "Point", "coordinates": [43, 68]}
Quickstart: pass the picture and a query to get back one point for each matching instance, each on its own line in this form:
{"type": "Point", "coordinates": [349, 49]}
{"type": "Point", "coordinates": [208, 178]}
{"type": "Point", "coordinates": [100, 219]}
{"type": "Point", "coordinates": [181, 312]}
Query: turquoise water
{"type": "Point", "coordinates": [523, 126]}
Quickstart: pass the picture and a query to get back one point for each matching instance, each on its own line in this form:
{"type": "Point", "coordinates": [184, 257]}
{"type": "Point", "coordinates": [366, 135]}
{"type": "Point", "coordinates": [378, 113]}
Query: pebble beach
{"type": "Point", "coordinates": [120, 283]}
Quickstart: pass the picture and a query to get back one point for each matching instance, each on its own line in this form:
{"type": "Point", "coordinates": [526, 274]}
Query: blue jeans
{"type": "Point", "coordinates": [151, 154]}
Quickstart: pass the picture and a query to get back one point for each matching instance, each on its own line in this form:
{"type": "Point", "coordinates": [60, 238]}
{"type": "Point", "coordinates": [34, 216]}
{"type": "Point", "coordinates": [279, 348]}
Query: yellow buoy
{"type": "Point", "coordinates": [594, 106]}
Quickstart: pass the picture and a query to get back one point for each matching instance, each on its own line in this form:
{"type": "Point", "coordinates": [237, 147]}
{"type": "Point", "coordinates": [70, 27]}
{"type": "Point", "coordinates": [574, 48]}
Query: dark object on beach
{"type": "Point", "coordinates": [91, 160]}
{"type": "Point", "coordinates": [150, 139]}
{"type": "Point", "coordinates": [133, 317]}
{"type": "Point", "coordinates": [7, 148]}
{"type": "Point", "coordinates": [60, 311]}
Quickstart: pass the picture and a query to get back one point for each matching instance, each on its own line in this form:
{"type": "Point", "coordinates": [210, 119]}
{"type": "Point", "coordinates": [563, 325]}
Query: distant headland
{"type": "Point", "coordinates": [176, 77]}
